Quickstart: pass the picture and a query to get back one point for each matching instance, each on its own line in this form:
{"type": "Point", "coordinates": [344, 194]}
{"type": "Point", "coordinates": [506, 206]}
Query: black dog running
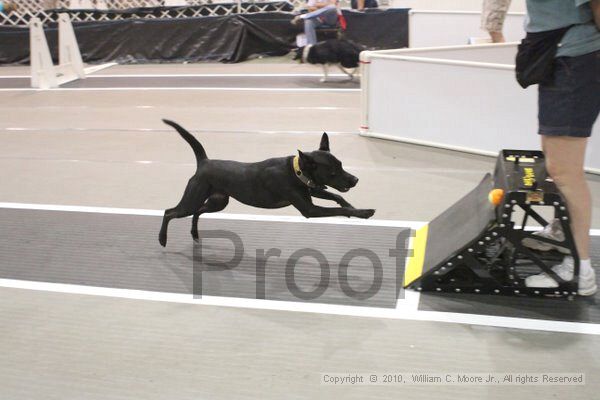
{"type": "Point", "coordinates": [272, 183]}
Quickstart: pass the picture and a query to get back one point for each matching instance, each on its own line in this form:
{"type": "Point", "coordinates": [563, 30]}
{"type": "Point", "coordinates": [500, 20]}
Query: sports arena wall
{"type": "Point", "coordinates": [463, 98]}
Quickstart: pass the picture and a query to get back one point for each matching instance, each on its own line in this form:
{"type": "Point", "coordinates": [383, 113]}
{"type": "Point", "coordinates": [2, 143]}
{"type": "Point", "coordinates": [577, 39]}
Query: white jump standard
{"type": "Point", "coordinates": [44, 75]}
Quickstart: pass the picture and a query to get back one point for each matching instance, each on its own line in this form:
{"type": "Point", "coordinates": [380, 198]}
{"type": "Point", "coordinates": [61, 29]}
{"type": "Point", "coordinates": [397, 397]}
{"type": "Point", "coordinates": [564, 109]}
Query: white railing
{"type": "Point", "coordinates": [39, 5]}
{"type": "Point", "coordinates": [463, 98]}
{"type": "Point", "coordinates": [28, 9]}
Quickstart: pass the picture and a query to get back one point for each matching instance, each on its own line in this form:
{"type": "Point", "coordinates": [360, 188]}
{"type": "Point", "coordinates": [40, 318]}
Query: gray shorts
{"type": "Point", "coordinates": [569, 105]}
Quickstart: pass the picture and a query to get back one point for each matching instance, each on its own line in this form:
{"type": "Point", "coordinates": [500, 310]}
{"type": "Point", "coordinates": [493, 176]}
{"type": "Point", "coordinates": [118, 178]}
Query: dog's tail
{"type": "Point", "coordinates": [188, 137]}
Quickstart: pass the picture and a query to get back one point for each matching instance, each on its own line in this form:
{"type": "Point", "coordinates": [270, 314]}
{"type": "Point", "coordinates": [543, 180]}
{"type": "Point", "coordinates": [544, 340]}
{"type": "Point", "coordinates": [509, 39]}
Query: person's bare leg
{"type": "Point", "coordinates": [493, 14]}
{"type": "Point", "coordinates": [565, 161]}
{"type": "Point", "coordinates": [497, 37]}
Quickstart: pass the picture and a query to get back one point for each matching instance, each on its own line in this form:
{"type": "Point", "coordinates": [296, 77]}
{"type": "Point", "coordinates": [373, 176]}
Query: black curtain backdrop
{"type": "Point", "coordinates": [378, 29]}
{"type": "Point", "coordinates": [231, 38]}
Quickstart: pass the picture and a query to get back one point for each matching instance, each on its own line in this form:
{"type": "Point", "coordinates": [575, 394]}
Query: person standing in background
{"type": "Point", "coordinates": [7, 7]}
{"type": "Point", "coordinates": [492, 18]}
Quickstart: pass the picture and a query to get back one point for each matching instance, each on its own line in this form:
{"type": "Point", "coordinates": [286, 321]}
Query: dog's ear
{"type": "Point", "coordinates": [306, 161]}
{"type": "Point", "coordinates": [324, 146]}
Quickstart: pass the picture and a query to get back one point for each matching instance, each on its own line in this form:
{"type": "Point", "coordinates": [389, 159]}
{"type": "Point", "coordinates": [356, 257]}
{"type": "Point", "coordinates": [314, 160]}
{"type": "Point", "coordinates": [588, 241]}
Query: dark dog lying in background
{"type": "Point", "coordinates": [340, 52]}
{"type": "Point", "coordinates": [272, 183]}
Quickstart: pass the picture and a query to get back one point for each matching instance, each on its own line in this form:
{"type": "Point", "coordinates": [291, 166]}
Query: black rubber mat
{"type": "Point", "coordinates": [122, 251]}
{"type": "Point", "coordinates": [284, 82]}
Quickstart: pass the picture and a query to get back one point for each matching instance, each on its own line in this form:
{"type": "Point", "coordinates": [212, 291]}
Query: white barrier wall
{"type": "Point", "coordinates": [500, 54]}
{"type": "Point", "coordinates": [440, 100]}
{"type": "Point", "coordinates": [447, 28]}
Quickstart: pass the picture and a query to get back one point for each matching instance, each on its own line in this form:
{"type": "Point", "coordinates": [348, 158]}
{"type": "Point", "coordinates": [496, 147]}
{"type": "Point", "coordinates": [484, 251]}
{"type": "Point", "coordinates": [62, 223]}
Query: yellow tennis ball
{"type": "Point", "coordinates": [495, 196]}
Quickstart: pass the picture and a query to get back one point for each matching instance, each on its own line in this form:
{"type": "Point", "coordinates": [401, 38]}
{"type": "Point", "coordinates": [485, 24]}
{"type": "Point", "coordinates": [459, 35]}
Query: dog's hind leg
{"type": "Point", "coordinates": [169, 215]}
{"type": "Point", "coordinates": [195, 226]}
{"type": "Point", "coordinates": [195, 193]}
{"type": "Point", "coordinates": [325, 73]}
{"type": "Point", "coordinates": [215, 202]}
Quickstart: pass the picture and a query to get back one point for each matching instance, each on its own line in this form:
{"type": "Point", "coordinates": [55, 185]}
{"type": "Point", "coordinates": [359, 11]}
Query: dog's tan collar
{"type": "Point", "coordinates": [300, 175]}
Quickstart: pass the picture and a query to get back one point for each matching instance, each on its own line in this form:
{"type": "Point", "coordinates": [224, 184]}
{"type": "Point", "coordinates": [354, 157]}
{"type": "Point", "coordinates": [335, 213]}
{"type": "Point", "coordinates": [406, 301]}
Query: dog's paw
{"type": "Point", "coordinates": [364, 213]}
{"type": "Point", "coordinates": [195, 236]}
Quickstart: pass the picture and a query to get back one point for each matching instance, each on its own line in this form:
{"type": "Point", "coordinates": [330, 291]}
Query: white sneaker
{"type": "Point", "coordinates": [587, 279]}
{"type": "Point", "coordinates": [551, 231]}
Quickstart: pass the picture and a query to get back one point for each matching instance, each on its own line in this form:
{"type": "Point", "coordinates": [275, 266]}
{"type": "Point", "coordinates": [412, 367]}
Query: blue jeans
{"type": "Point", "coordinates": [312, 20]}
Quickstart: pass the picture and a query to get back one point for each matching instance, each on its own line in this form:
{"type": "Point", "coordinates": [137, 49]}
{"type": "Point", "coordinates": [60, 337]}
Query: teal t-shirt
{"type": "Point", "coordinates": [546, 15]}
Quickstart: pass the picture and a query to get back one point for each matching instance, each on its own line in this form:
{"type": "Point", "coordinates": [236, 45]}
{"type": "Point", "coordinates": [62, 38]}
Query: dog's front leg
{"type": "Point", "coordinates": [324, 194]}
{"type": "Point", "coordinates": [317, 211]}
{"type": "Point", "coordinates": [350, 74]}
{"type": "Point", "coordinates": [309, 210]}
